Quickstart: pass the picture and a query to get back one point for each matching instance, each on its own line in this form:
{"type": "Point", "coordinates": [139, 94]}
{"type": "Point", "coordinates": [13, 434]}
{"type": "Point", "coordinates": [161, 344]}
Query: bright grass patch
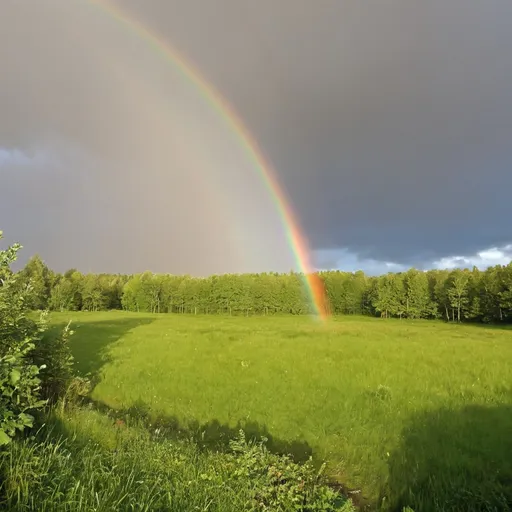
{"type": "Point", "coordinates": [412, 413]}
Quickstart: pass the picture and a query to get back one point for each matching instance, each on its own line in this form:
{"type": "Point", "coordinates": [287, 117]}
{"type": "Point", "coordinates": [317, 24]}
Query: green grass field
{"type": "Point", "coordinates": [407, 412]}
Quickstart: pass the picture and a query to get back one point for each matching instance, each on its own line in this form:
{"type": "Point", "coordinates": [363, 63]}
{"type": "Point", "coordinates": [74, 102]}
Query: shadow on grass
{"type": "Point", "coordinates": [212, 435]}
{"type": "Point", "coordinates": [504, 326]}
{"type": "Point", "coordinates": [90, 341]}
{"type": "Point", "coordinates": [454, 461]}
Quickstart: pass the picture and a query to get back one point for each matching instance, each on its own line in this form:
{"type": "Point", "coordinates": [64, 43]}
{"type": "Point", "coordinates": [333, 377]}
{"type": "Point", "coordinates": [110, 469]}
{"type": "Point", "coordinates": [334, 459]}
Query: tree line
{"type": "Point", "coordinates": [454, 295]}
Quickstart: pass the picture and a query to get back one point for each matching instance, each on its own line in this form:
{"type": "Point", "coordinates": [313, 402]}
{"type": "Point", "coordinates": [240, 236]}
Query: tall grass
{"type": "Point", "coordinates": [81, 461]}
{"type": "Point", "coordinates": [405, 412]}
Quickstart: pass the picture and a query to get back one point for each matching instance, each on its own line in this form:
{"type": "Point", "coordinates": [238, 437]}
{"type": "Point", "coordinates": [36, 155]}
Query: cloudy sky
{"type": "Point", "coordinates": [388, 124]}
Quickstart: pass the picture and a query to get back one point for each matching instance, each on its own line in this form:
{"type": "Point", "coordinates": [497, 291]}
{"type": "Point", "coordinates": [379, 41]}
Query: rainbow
{"type": "Point", "coordinates": [296, 239]}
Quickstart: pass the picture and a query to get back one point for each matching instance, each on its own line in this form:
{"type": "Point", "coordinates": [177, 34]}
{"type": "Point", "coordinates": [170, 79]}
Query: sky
{"type": "Point", "coordinates": [387, 124]}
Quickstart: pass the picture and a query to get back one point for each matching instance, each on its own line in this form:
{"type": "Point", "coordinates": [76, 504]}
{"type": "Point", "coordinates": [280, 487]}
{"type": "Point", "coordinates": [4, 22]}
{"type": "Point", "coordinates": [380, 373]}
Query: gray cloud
{"type": "Point", "coordinates": [350, 262]}
{"type": "Point", "coordinates": [389, 127]}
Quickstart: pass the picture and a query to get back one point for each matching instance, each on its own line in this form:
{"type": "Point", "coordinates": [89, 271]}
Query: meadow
{"type": "Point", "coordinates": [407, 412]}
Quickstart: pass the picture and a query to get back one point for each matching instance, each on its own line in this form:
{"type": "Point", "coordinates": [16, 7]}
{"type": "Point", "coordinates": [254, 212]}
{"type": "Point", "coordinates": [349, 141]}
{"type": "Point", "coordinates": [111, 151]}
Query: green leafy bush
{"type": "Point", "coordinates": [280, 484]}
{"type": "Point", "coordinates": [34, 368]}
{"type": "Point", "coordinates": [53, 355]}
{"type": "Point", "coordinates": [19, 376]}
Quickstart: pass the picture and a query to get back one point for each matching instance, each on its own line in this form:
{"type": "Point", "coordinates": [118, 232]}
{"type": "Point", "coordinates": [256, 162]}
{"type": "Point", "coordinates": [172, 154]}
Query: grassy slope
{"type": "Point", "coordinates": [395, 407]}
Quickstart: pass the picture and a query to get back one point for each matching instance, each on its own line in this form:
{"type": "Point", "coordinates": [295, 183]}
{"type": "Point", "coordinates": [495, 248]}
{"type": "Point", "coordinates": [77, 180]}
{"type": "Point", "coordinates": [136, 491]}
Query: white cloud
{"type": "Point", "coordinates": [482, 259]}
{"type": "Point", "coordinates": [343, 259]}
{"type": "Point", "coordinates": [347, 261]}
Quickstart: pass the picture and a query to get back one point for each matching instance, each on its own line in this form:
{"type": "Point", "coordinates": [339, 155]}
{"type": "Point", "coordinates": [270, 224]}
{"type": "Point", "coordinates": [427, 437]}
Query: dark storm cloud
{"type": "Point", "coordinates": [389, 124]}
{"type": "Point", "coordinates": [137, 173]}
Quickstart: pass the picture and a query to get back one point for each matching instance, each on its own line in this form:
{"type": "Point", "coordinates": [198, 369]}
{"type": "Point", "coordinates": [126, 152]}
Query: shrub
{"type": "Point", "coordinates": [280, 484]}
{"type": "Point", "coordinates": [53, 355]}
{"type": "Point", "coordinates": [19, 377]}
{"type": "Point", "coordinates": [34, 368]}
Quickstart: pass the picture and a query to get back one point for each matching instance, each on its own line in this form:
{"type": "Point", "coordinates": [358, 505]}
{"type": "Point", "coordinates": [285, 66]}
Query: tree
{"type": "Point", "coordinates": [439, 288]}
{"type": "Point", "coordinates": [335, 290]}
{"type": "Point", "coordinates": [38, 277]}
{"type": "Point", "coordinates": [382, 299]}
{"type": "Point", "coordinates": [62, 295]}
{"type": "Point", "coordinates": [458, 291]}
{"type": "Point", "coordinates": [93, 296]}
{"type": "Point", "coordinates": [150, 291]}
{"type": "Point", "coordinates": [480, 296]}
{"type": "Point", "coordinates": [505, 294]}
{"type": "Point", "coordinates": [418, 301]}
{"type": "Point", "coordinates": [473, 310]}
{"type": "Point", "coordinates": [389, 299]}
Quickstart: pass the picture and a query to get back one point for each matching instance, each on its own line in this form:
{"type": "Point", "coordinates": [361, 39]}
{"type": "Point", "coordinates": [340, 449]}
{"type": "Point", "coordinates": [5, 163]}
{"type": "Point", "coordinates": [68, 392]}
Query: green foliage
{"type": "Point", "coordinates": [278, 483]}
{"type": "Point", "coordinates": [455, 295]}
{"type": "Point", "coordinates": [19, 377]}
{"type": "Point", "coordinates": [458, 291]}
{"type": "Point", "coordinates": [53, 355]}
{"type": "Point", "coordinates": [62, 295]}
{"type": "Point", "coordinates": [38, 280]}
{"type": "Point", "coordinates": [390, 298]}
{"type": "Point", "coordinates": [418, 302]}
{"type": "Point", "coordinates": [85, 462]}
{"type": "Point", "coordinates": [33, 367]}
